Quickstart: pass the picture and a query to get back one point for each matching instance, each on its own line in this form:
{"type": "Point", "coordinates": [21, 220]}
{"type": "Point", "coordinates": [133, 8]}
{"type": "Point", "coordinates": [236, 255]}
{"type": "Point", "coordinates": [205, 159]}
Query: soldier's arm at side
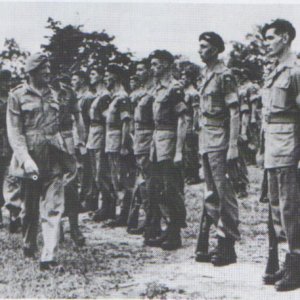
{"type": "Point", "coordinates": [80, 128]}
{"type": "Point", "coordinates": [16, 137]}
{"type": "Point", "coordinates": [125, 118]}
{"type": "Point", "coordinates": [244, 125]}
{"type": "Point", "coordinates": [295, 80]}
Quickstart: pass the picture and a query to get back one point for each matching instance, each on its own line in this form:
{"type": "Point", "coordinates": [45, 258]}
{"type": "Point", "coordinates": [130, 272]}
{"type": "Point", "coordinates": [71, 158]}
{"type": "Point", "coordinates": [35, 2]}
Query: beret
{"type": "Point", "coordinates": [34, 61]}
{"type": "Point", "coordinates": [214, 39]}
{"type": "Point", "coordinates": [5, 75]}
{"type": "Point", "coordinates": [162, 55]}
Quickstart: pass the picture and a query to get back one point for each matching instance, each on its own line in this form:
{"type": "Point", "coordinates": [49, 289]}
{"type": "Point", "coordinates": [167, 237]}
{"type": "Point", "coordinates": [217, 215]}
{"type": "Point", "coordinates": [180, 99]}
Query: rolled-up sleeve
{"type": "Point", "coordinates": [124, 108]}
{"type": "Point", "coordinates": [177, 96]}
{"type": "Point", "coordinates": [15, 134]}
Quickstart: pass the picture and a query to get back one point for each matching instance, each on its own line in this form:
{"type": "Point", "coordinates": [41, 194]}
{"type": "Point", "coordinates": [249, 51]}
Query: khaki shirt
{"type": "Point", "coordinates": [142, 103]}
{"type": "Point", "coordinates": [192, 99]}
{"type": "Point", "coordinates": [281, 124]}
{"type": "Point", "coordinates": [32, 121]}
{"type": "Point", "coordinates": [168, 106]}
{"type": "Point", "coordinates": [248, 93]}
{"type": "Point", "coordinates": [98, 109]}
{"type": "Point", "coordinates": [118, 111]}
{"type": "Point", "coordinates": [218, 92]}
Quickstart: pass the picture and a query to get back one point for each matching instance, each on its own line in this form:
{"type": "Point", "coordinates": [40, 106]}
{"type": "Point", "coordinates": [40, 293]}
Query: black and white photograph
{"type": "Point", "coordinates": [150, 150]}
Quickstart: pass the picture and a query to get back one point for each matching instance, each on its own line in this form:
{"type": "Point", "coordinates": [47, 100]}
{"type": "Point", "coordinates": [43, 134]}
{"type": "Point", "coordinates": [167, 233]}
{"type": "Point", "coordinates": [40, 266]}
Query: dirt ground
{"type": "Point", "coordinates": [114, 264]}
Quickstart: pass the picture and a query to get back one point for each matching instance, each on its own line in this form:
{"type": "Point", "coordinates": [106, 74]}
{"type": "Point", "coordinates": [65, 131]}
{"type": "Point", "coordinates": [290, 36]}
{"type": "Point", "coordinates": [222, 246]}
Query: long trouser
{"type": "Point", "coordinates": [168, 189]}
{"type": "Point", "coordinates": [144, 197]}
{"type": "Point", "coordinates": [222, 206]}
{"type": "Point", "coordinates": [122, 171]}
{"type": "Point", "coordinates": [4, 161]}
{"type": "Point", "coordinates": [46, 195]}
{"type": "Point", "coordinates": [191, 157]}
{"type": "Point", "coordinates": [285, 205]}
{"type": "Point", "coordinates": [101, 175]}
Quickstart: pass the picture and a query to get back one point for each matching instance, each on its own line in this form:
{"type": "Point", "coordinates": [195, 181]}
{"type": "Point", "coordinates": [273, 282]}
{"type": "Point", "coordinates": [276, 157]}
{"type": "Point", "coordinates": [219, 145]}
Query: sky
{"type": "Point", "coordinates": [142, 27]}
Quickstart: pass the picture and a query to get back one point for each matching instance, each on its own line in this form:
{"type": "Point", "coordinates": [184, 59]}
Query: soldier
{"type": "Point", "coordinates": [191, 156]}
{"type": "Point", "coordinates": [281, 127]}
{"type": "Point", "coordinates": [69, 110]}
{"type": "Point", "coordinates": [5, 151]}
{"type": "Point", "coordinates": [96, 144]}
{"type": "Point", "coordinates": [33, 132]}
{"type": "Point", "coordinates": [218, 145]}
{"type": "Point", "coordinates": [88, 193]}
{"type": "Point", "coordinates": [117, 142]}
{"type": "Point", "coordinates": [142, 102]}
{"type": "Point", "coordinates": [169, 113]}
{"type": "Point", "coordinates": [134, 83]}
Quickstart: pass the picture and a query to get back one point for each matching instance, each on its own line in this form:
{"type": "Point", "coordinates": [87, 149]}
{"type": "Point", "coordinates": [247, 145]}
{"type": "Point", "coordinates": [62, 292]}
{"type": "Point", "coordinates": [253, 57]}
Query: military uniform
{"type": "Point", "coordinates": [96, 150]}
{"type": "Point", "coordinates": [191, 159]}
{"type": "Point", "coordinates": [142, 102]}
{"type": "Point", "coordinates": [281, 127]}
{"type": "Point", "coordinates": [121, 169]}
{"type": "Point", "coordinates": [33, 131]}
{"type": "Point", "coordinates": [218, 92]}
{"type": "Point", "coordinates": [88, 193]}
{"type": "Point", "coordinates": [168, 106]}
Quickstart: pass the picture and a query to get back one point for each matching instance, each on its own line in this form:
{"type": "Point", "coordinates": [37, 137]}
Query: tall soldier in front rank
{"type": "Point", "coordinates": [142, 102]}
{"type": "Point", "coordinates": [96, 144]}
{"type": "Point", "coordinates": [33, 132]}
{"type": "Point", "coordinates": [117, 142]}
{"type": "Point", "coordinates": [218, 145]}
{"type": "Point", "coordinates": [169, 113]}
{"type": "Point", "coordinates": [5, 151]}
{"type": "Point", "coordinates": [281, 103]}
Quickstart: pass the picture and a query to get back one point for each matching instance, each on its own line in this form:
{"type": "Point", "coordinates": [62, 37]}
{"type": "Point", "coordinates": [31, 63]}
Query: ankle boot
{"type": "Point", "coordinates": [225, 253]}
{"type": "Point", "coordinates": [173, 240]}
{"type": "Point", "coordinates": [102, 214]}
{"type": "Point", "coordinates": [291, 278]}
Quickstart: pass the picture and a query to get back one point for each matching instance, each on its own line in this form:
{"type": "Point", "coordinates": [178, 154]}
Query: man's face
{"type": "Point", "coordinates": [206, 51]}
{"type": "Point", "coordinates": [42, 74]}
{"type": "Point", "coordinates": [95, 77]}
{"type": "Point", "coordinates": [109, 80]}
{"type": "Point", "coordinates": [133, 84]}
{"type": "Point", "coordinates": [275, 43]}
{"type": "Point", "coordinates": [185, 80]}
{"type": "Point", "coordinates": [76, 82]}
{"type": "Point", "coordinates": [142, 73]}
{"type": "Point", "coordinates": [5, 86]}
{"type": "Point", "coordinates": [158, 67]}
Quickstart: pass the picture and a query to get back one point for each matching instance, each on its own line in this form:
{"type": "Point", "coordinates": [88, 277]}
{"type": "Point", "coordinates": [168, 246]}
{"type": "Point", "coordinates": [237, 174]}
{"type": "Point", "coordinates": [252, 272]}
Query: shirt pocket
{"type": "Point", "coordinates": [280, 93]}
{"type": "Point", "coordinates": [30, 111]}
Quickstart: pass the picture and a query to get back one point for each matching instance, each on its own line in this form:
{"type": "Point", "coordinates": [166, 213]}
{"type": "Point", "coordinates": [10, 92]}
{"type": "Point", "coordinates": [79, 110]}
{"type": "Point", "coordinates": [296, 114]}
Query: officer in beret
{"type": "Point", "coordinates": [170, 126]}
{"type": "Point", "coordinates": [218, 134]}
{"type": "Point", "coordinates": [118, 143]}
{"type": "Point", "coordinates": [5, 151]}
{"type": "Point", "coordinates": [33, 132]}
{"type": "Point", "coordinates": [281, 105]}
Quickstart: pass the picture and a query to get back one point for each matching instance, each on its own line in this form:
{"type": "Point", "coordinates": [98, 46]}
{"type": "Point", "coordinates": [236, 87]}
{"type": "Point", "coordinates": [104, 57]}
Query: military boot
{"type": "Point", "coordinates": [121, 220]}
{"type": "Point", "coordinates": [75, 232]}
{"type": "Point", "coordinates": [202, 254]}
{"type": "Point", "coordinates": [225, 253]}
{"type": "Point", "coordinates": [156, 241]}
{"type": "Point", "coordinates": [173, 240]}
{"type": "Point", "coordinates": [291, 277]}
{"type": "Point", "coordinates": [103, 213]}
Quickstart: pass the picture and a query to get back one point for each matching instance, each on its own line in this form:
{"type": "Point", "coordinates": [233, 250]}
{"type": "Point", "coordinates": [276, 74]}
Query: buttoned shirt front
{"type": "Point", "coordinates": [282, 115]}
{"type": "Point", "coordinates": [167, 107]}
{"type": "Point", "coordinates": [217, 93]}
{"type": "Point", "coordinates": [118, 111]}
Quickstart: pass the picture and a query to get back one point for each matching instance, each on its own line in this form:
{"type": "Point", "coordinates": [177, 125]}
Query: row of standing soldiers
{"type": "Point", "coordinates": [132, 150]}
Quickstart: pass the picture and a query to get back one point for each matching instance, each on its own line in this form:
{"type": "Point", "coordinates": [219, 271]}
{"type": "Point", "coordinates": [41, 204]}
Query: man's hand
{"type": "Point", "coordinates": [82, 150]}
{"type": "Point", "coordinates": [260, 160]}
{"type": "Point", "coordinates": [124, 151]}
{"type": "Point", "coordinates": [232, 152]}
{"type": "Point", "coordinates": [30, 167]}
{"type": "Point", "coordinates": [178, 159]}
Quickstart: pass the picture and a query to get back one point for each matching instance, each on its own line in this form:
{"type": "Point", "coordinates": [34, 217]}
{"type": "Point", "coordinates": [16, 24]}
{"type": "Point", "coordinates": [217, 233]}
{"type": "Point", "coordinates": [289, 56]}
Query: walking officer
{"type": "Point", "coordinates": [281, 105]}
{"type": "Point", "coordinates": [33, 132]}
{"type": "Point", "coordinates": [218, 134]}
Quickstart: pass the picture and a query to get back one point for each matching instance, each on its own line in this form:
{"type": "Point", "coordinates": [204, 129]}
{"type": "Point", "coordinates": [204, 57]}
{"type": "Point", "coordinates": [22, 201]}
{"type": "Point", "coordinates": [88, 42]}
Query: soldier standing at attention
{"type": "Point", "coordinates": [281, 104]}
{"type": "Point", "coordinates": [88, 192]}
{"type": "Point", "coordinates": [96, 144]}
{"type": "Point", "coordinates": [169, 114]}
{"type": "Point", "coordinates": [117, 143]}
{"type": "Point", "coordinates": [33, 132]}
{"type": "Point", "coordinates": [219, 108]}
{"type": "Point", "coordinates": [5, 151]}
